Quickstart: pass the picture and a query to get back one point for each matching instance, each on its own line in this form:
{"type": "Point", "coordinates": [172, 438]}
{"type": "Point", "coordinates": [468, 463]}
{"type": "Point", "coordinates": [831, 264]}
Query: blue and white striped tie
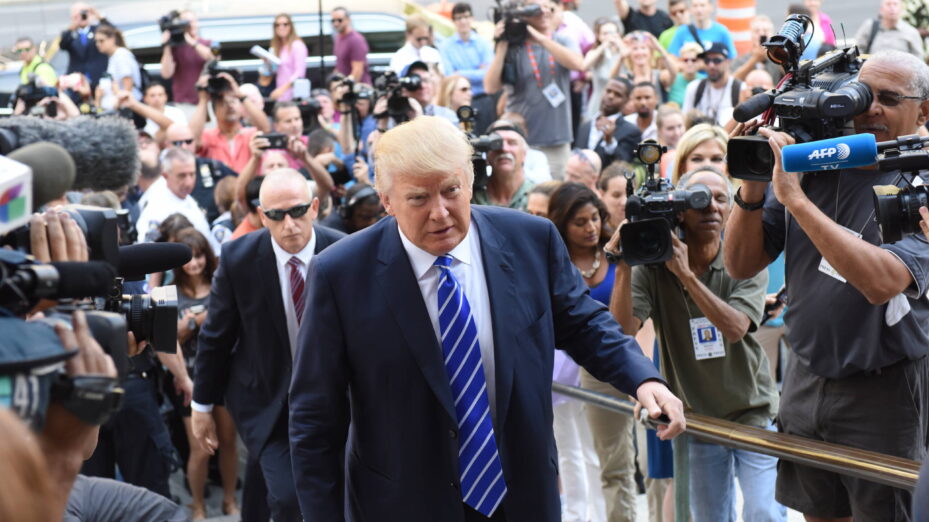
{"type": "Point", "coordinates": [482, 483]}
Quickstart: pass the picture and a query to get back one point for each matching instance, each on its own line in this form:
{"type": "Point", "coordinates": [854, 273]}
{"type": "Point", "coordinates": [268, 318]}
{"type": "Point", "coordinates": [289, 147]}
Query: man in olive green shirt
{"type": "Point", "coordinates": [703, 319]}
{"type": "Point", "coordinates": [26, 50]}
{"type": "Point", "coordinates": [507, 185]}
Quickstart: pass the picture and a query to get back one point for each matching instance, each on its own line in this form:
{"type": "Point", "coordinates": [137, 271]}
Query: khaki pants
{"type": "Point", "coordinates": [612, 433]}
{"type": "Point", "coordinates": [557, 156]}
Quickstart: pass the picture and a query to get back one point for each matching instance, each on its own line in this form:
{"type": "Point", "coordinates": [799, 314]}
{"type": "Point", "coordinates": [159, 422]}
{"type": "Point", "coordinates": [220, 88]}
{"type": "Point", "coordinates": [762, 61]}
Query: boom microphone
{"type": "Point", "coordinates": [857, 150]}
{"type": "Point", "coordinates": [52, 170]}
{"type": "Point", "coordinates": [135, 261]}
{"type": "Point", "coordinates": [105, 150]}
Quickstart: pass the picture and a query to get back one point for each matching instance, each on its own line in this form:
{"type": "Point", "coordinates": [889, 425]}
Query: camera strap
{"type": "Point", "coordinates": [535, 65]}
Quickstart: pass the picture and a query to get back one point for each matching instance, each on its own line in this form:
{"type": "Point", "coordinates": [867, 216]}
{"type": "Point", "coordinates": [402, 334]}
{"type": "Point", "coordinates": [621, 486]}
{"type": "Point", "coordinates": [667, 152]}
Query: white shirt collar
{"type": "Point", "coordinates": [422, 261]}
{"type": "Point", "coordinates": [304, 255]}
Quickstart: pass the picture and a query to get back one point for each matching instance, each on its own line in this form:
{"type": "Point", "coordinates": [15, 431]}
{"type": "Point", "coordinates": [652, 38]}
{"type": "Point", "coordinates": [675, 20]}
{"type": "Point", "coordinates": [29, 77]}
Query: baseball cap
{"type": "Point", "coordinates": [716, 48]}
{"type": "Point", "coordinates": [418, 64]}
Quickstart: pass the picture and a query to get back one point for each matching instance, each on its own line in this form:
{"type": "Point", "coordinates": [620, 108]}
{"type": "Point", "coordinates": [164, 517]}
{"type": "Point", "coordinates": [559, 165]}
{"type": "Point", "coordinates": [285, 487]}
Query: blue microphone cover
{"type": "Point", "coordinates": [857, 150]}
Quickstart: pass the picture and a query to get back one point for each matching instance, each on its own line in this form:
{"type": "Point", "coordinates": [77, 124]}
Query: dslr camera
{"type": "Point", "coordinates": [514, 15]}
{"type": "Point", "coordinates": [654, 211]}
{"type": "Point", "coordinates": [31, 94]}
{"type": "Point", "coordinates": [392, 86]}
{"type": "Point", "coordinates": [816, 102]}
{"type": "Point", "coordinates": [173, 23]}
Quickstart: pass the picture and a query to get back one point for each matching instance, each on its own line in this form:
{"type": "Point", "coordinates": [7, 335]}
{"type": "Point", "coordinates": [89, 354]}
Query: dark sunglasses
{"type": "Point", "coordinates": [337, 20]}
{"type": "Point", "coordinates": [892, 99]}
{"type": "Point", "coordinates": [22, 50]}
{"type": "Point", "coordinates": [423, 39]}
{"type": "Point", "coordinates": [178, 143]}
{"type": "Point", "coordinates": [714, 61]}
{"type": "Point", "coordinates": [282, 24]}
{"type": "Point", "coordinates": [295, 212]}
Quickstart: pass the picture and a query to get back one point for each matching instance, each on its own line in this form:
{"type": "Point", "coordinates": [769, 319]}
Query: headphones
{"type": "Point", "coordinates": [348, 208]}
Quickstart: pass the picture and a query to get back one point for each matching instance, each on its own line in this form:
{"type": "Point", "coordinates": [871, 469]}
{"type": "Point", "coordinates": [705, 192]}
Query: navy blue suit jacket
{"type": "Point", "coordinates": [243, 352]}
{"type": "Point", "coordinates": [84, 57]}
{"type": "Point", "coordinates": [368, 362]}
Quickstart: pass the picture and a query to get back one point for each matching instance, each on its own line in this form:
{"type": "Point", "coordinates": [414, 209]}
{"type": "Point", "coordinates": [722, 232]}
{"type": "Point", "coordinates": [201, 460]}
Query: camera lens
{"type": "Point", "coordinates": [646, 242]}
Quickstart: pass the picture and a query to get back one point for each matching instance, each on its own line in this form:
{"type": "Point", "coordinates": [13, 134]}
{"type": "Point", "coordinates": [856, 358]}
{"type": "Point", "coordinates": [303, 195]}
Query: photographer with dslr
{"type": "Point", "coordinates": [183, 56]}
{"type": "Point", "coordinates": [78, 41]}
{"type": "Point", "coordinates": [857, 322]}
{"type": "Point", "coordinates": [228, 141]}
{"type": "Point", "coordinates": [535, 66]}
{"type": "Point", "coordinates": [704, 319]}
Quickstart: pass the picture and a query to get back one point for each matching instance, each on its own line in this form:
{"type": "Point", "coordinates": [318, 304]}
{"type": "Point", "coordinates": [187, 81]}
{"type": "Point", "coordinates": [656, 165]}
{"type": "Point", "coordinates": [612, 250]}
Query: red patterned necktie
{"type": "Point", "coordinates": [296, 286]}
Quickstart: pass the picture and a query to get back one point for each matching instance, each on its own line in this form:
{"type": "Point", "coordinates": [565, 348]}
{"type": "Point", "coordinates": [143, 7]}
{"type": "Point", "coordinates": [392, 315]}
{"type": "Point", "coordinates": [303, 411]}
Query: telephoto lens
{"type": "Point", "coordinates": [897, 210]}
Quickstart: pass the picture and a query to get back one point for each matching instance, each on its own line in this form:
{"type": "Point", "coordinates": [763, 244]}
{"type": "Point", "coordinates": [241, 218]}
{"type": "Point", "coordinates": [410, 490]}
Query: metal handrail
{"type": "Point", "coordinates": [876, 467]}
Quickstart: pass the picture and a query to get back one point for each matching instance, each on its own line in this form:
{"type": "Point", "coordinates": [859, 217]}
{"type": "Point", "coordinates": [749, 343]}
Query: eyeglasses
{"type": "Point", "coordinates": [295, 212]}
{"type": "Point", "coordinates": [282, 24]}
{"type": "Point", "coordinates": [338, 20]}
{"type": "Point", "coordinates": [178, 143]}
{"type": "Point", "coordinates": [714, 61]}
{"type": "Point", "coordinates": [22, 50]}
{"type": "Point", "coordinates": [892, 99]}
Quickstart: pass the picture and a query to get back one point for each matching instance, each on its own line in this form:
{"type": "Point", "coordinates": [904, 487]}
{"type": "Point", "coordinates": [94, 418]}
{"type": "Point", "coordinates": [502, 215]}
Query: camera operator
{"type": "Point", "coordinates": [924, 224]}
{"type": "Point", "coordinates": [541, 90]}
{"type": "Point", "coordinates": [183, 63]}
{"type": "Point", "coordinates": [507, 186]}
{"type": "Point", "coordinates": [78, 41]}
{"type": "Point", "coordinates": [704, 319]}
{"type": "Point", "coordinates": [228, 141]}
{"type": "Point", "coordinates": [849, 379]}
{"type": "Point", "coordinates": [426, 94]}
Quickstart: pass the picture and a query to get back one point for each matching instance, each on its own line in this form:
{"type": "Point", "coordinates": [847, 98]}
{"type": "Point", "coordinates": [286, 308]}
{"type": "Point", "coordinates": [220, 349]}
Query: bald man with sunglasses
{"type": "Point", "coordinates": [246, 344]}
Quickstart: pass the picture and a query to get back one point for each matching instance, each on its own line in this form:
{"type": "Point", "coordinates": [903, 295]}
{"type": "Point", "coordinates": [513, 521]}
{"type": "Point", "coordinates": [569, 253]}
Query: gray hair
{"type": "Point", "coordinates": [686, 178]}
{"type": "Point", "coordinates": [919, 71]}
{"type": "Point", "coordinates": [284, 176]}
{"type": "Point", "coordinates": [173, 156]}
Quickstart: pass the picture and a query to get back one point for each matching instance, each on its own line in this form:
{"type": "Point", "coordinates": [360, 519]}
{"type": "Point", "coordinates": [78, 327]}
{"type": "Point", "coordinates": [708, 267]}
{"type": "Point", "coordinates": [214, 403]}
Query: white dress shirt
{"type": "Point", "coordinates": [281, 257]}
{"type": "Point", "coordinates": [468, 268]}
{"type": "Point", "coordinates": [159, 203]}
{"type": "Point", "coordinates": [283, 275]}
{"type": "Point", "coordinates": [409, 54]}
{"type": "Point", "coordinates": [596, 135]}
{"type": "Point", "coordinates": [650, 132]}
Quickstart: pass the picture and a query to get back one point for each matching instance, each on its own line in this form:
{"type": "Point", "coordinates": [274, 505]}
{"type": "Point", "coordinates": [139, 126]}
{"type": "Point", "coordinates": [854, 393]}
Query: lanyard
{"type": "Point", "coordinates": [535, 66]}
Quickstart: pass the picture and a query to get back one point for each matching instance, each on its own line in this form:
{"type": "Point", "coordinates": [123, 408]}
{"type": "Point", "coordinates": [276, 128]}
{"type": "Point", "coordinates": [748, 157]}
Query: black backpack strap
{"type": "Point", "coordinates": [875, 27]}
{"type": "Point", "coordinates": [736, 90]}
{"type": "Point", "coordinates": [701, 88]}
{"type": "Point", "coordinates": [693, 32]}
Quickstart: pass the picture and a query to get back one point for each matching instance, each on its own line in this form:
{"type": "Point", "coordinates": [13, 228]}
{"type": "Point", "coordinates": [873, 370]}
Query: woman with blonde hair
{"type": "Point", "coordinates": [638, 62]}
{"type": "Point", "coordinates": [287, 46]}
{"type": "Point", "coordinates": [454, 92]}
{"type": "Point", "coordinates": [702, 144]}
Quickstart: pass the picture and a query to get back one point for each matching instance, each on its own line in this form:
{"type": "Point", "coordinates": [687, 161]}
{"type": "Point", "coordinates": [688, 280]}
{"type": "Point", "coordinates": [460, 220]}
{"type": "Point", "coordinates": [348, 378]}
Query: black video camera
{"type": "Point", "coordinates": [480, 144]}
{"type": "Point", "coordinates": [816, 102]}
{"type": "Point", "coordinates": [514, 15]}
{"type": "Point", "coordinates": [173, 23]}
{"type": "Point", "coordinates": [216, 86]}
{"type": "Point", "coordinates": [897, 210]}
{"type": "Point", "coordinates": [150, 317]}
{"type": "Point", "coordinates": [653, 212]}
{"type": "Point", "coordinates": [392, 86]}
{"type": "Point", "coordinates": [31, 94]}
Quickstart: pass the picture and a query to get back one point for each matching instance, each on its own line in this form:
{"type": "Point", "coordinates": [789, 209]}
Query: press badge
{"type": "Point", "coordinates": [827, 269]}
{"type": "Point", "coordinates": [708, 342]}
{"type": "Point", "coordinates": [553, 94]}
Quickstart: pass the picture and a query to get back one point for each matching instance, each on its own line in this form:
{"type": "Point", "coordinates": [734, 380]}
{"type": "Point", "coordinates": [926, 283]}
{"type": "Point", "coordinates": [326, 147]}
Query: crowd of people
{"type": "Point", "coordinates": [304, 333]}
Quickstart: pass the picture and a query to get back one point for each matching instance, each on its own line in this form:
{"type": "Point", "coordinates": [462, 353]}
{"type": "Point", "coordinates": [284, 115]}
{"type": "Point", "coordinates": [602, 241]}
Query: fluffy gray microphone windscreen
{"type": "Point", "coordinates": [52, 170]}
{"type": "Point", "coordinates": [105, 150]}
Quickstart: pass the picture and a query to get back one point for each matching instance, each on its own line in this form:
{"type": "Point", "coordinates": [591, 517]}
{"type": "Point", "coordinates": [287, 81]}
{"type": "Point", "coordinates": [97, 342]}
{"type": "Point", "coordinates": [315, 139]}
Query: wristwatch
{"type": "Point", "coordinates": [747, 206]}
{"type": "Point", "coordinates": [612, 257]}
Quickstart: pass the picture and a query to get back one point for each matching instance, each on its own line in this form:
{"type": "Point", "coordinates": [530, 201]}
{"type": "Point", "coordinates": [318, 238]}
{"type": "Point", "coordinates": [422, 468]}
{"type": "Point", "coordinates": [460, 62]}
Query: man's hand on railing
{"type": "Point", "coordinates": [657, 399]}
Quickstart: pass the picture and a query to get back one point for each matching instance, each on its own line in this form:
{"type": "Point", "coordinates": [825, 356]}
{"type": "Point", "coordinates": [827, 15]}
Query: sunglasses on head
{"type": "Point", "coordinates": [178, 143]}
{"type": "Point", "coordinates": [297, 211]}
{"type": "Point", "coordinates": [892, 99]}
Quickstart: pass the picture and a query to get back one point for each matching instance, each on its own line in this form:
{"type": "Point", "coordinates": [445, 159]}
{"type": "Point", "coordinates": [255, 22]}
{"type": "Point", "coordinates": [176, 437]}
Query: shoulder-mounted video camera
{"type": "Point", "coordinates": [514, 15]}
{"type": "Point", "coordinates": [816, 100]}
{"type": "Point", "coordinates": [480, 144]}
{"type": "Point", "coordinates": [176, 26]}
